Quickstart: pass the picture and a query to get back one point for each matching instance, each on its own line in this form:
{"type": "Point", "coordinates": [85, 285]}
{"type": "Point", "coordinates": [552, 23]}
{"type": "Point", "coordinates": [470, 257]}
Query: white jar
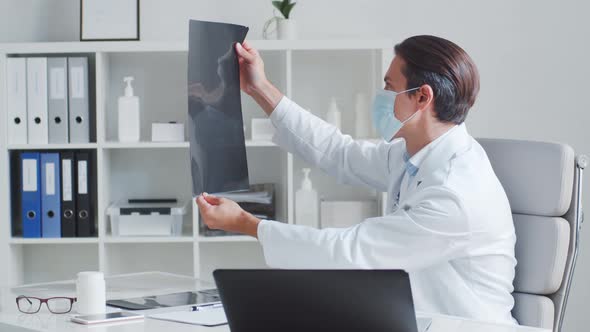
{"type": "Point", "coordinates": [91, 293]}
{"type": "Point", "coordinates": [286, 29]}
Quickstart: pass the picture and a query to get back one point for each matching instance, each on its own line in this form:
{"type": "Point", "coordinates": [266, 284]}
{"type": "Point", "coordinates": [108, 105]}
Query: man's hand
{"type": "Point", "coordinates": [253, 80]}
{"type": "Point", "coordinates": [227, 215]}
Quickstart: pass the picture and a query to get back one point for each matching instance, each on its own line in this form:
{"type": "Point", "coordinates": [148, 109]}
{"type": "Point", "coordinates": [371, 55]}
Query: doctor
{"type": "Point", "coordinates": [448, 220]}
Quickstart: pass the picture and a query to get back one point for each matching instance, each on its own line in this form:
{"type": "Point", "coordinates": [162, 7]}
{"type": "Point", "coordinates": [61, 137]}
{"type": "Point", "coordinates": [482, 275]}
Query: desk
{"type": "Point", "coordinates": [11, 320]}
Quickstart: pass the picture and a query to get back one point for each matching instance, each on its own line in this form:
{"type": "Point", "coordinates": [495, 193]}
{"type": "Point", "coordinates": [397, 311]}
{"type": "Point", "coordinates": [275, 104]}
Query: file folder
{"type": "Point", "coordinates": [16, 88]}
{"type": "Point", "coordinates": [30, 194]}
{"type": "Point", "coordinates": [37, 129]}
{"type": "Point", "coordinates": [68, 204]}
{"type": "Point", "coordinates": [57, 78]}
{"type": "Point", "coordinates": [84, 216]}
{"type": "Point", "coordinates": [50, 201]}
{"type": "Point", "coordinates": [78, 100]}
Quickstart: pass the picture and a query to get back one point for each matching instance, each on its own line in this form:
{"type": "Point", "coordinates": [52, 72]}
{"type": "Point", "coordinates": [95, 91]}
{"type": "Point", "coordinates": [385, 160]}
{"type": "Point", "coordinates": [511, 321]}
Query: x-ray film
{"type": "Point", "coordinates": [216, 129]}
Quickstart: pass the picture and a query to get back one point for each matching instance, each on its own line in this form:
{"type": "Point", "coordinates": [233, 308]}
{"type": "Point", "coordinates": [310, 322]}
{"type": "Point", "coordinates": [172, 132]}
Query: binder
{"type": "Point", "coordinates": [37, 130]}
{"type": "Point", "coordinates": [84, 216]}
{"type": "Point", "coordinates": [50, 195]}
{"type": "Point", "coordinates": [57, 103]}
{"type": "Point", "coordinates": [78, 99]}
{"type": "Point", "coordinates": [30, 194]}
{"type": "Point", "coordinates": [68, 204]}
{"type": "Point", "coordinates": [16, 86]}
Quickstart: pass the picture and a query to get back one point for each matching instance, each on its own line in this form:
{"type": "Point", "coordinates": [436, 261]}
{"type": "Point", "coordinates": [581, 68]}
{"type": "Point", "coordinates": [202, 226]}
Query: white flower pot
{"type": "Point", "coordinates": [286, 29]}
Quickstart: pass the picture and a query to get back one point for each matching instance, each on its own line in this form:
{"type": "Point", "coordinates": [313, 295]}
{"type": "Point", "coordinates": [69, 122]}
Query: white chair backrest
{"type": "Point", "coordinates": [541, 181]}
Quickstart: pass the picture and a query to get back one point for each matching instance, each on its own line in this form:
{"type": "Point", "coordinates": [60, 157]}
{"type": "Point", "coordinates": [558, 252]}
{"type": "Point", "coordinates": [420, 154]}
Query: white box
{"type": "Point", "coordinates": [146, 219]}
{"type": "Point", "coordinates": [262, 130]}
{"type": "Point", "coordinates": [167, 132]}
{"type": "Point", "coordinates": [342, 214]}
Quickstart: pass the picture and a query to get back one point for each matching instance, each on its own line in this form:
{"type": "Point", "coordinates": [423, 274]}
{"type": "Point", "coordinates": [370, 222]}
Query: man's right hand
{"type": "Point", "coordinates": [252, 76]}
{"type": "Point", "coordinates": [253, 80]}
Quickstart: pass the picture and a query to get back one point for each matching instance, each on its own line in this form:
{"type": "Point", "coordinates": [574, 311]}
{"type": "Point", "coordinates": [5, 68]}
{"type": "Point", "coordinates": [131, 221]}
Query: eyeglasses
{"type": "Point", "coordinates": [56, 305]}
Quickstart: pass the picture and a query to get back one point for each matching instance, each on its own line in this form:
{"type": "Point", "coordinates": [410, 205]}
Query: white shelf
{"type": "Point", "coordinates": [66, 240]}
{"type": "Point", "coordinates": [182, 46]}
{"type": "Point", "coordinates": [148, 239]}
{"type": "Point", "coordinates": [172, 145]}
{"type": "Point", "coordinates": [145, 145]}
{"type": "Point", "coordinates": [228, 238]}
{"type": "Point", "coordinates": [76, 146]}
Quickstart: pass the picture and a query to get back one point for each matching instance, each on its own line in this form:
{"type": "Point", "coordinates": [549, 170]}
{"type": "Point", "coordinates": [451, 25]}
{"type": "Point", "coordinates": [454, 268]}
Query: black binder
{"type": "Point", "coordinates": [84, 215]}
{"type": "Point", "coordinates": [68, 194]}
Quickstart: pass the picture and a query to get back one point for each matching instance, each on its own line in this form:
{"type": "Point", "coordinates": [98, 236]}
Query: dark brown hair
{"type": "Point", "coordinates": [447, 68]}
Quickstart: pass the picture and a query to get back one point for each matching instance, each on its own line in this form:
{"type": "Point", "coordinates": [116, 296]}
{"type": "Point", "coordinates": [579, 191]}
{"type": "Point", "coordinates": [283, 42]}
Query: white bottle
{"type": "Point", "coordinates": [362, 125]}
{"type": "Point", "coordinates": [306, 203]}
{"type": "Point", "coordinates": [333, 116]}
{"type": "Point", "coordinates": [129, 121]}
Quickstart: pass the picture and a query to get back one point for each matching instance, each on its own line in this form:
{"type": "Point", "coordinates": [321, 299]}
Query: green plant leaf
{"type": "Point", "coordinates": [287, 10]}
{"type": "Point", "coordinates": [278, 5]}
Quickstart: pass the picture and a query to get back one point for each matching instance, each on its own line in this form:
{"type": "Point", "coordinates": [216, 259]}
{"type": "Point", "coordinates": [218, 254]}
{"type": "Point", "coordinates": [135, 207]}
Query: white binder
{"type": "Point", "coordinates": [78, 99]}
{"type": "Point", "coordinates": [57, 74]}
{"type": "Point", "coordinates": [16, 86]}
{"type": "Point", "coordinates": [37, 128]}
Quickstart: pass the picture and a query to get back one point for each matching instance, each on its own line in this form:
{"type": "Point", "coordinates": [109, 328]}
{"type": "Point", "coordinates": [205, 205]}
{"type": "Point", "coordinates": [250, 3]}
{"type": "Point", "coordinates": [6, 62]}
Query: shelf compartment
{"type": "Point", "coordinates": [147, 173]}
{"type": "Point", "coordinates": [317, 66]}
{"type": "Point", "coordinates": [174, 258]}
{"type": "Point", "coordinates": [15, 193]}
{"type": "Point", "coordinates": [51, 262]}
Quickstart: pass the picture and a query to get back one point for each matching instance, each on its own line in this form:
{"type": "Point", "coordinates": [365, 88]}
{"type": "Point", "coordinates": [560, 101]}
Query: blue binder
{"type": "Point", "coordinates": [50, 195]}
{"type": "Point", "coordinates": [31, 194]}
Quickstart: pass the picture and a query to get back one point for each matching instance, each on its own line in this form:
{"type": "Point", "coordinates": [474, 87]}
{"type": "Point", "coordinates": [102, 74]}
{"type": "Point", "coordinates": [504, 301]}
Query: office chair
{"type": "Point", "coordinates": [543, 182]}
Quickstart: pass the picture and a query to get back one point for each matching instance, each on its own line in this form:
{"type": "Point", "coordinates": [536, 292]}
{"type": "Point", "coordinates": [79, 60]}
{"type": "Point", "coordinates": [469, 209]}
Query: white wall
{"type": "Point", "coordinates": [532, 57]}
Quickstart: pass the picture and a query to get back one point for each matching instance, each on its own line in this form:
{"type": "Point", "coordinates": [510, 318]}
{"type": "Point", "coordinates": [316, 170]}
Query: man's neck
{"type": "Point", "coordinates": [428, 134]}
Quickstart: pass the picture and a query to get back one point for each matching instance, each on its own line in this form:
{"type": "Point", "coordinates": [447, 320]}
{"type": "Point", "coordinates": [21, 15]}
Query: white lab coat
{"type": "Point", "coordinates": [451, 229]}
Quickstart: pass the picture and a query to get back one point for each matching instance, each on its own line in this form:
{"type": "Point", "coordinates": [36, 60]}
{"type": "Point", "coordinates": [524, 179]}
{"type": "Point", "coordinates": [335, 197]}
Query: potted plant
{"type": "Point", "coordinates": [286, 28]}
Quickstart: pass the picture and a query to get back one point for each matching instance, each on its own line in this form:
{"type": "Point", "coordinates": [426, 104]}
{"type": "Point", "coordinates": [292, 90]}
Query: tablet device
{"type": "Point", "coordinates": [106, 317]}
{"type": "Point", "coordinates": [166, 300]}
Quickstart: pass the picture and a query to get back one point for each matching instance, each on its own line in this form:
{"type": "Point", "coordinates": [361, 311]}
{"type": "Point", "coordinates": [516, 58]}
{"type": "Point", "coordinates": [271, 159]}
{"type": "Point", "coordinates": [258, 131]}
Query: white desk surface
{"type": "Point", "coordinates": [12, 320]}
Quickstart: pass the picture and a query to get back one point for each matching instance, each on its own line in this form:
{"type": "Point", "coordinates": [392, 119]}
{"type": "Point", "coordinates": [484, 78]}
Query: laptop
{"type": "Point", "coordinates": [317, 300]}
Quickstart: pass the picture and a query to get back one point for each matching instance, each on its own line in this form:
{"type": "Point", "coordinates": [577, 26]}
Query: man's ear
{"type": "Point", "coordinates": [425, 96]}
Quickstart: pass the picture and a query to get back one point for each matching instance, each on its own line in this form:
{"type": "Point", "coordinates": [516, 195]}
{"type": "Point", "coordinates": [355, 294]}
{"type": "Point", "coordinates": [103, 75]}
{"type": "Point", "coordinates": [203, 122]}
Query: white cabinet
{"type": "Point", "coordinates": [310, 72]}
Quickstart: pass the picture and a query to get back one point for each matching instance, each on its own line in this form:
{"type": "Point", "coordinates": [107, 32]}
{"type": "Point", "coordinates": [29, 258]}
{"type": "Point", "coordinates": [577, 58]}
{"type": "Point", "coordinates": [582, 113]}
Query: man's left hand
{"type": "Point", "coordinates": [222, 213]}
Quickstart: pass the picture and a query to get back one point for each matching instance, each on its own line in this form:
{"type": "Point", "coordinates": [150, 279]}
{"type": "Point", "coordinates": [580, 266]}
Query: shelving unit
{"type": "Point", "coordinates": [308, 71]}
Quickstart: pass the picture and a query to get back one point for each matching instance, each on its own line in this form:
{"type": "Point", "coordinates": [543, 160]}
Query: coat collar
{"type": "Point", "coordinates": [455, 141]}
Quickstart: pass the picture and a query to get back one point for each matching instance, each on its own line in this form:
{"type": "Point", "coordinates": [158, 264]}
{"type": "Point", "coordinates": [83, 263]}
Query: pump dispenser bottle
{"type": "Point", "coordinates": [333, 116]}
{"type": "Point", "coordinates": [129, 120]}
{"type": "Point", "coordinates": [306, 203]}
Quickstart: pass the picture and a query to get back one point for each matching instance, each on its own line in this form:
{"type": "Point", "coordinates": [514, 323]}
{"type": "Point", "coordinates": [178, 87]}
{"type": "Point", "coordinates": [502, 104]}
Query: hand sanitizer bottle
{"type": "Point", "coordinates": [129, 121]}
{"type": "Point", "coordinates": [306, 203]}
{"type": "Point", "coordinates": [333, 116]}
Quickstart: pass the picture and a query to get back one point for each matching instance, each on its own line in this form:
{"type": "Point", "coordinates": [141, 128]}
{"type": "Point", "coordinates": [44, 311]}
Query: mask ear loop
{"type": "Point", "coordinates": [413, 115]}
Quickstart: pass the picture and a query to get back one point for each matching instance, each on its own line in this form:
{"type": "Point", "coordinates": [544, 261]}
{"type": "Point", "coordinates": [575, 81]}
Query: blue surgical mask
{"type": "Point", "coordinates": [384, 118]}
